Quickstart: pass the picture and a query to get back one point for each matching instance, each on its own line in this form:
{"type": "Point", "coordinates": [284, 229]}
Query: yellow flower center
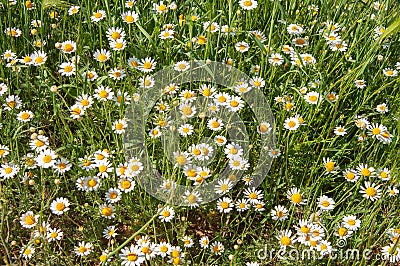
{"type": "Point", "coordinates": [30, 220]}
{"type": "Point", "coordinates": [291, 124]}
{"type": "Point", "coordinates": [286, 241]}
{"type": "Point", "coordinates": [102, 57]}
{"type": "Point", "coordinates": [325, 203]}
{"type": "Point", "coordinates": [224, 205]}
{"type": "Point", "coordinates": [115, 35]}
{"type": "Point", "coordinates": [376, 131]}
{"type": "Point", "coordinates": [371, 191]}
{"type": "Point", "coordinates": [296, 198]}
{"type": "Point", "coordinates": [103, 94]}
{"type": "Point", "coordinates": [47, 159]}
{"type": "Point", "coordinates": [191, 198]}
{"type": "Point", "coordinates": [125, 184]}
{"type": "Point", "coordinates": [92, 183]}
{"type": "Point", "coordinates": [330, 166]}
{"type": "Point", "coordinates": [365, 172]}
{"type": "Point", "coordinates": [60, 206]}
{"type": "Point", "coordinates": [68, 47]}
{"type": "Point", "coordinates": [8, 170]}
{"type": "Point", "coordinates": [342, 231]}
{"type": "Point", "coordinates": [119, 126]}
{"type": "Point", "coordinates": [106, 211]}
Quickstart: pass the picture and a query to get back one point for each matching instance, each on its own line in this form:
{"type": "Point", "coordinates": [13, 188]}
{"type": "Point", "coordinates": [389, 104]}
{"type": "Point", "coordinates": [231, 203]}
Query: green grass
{"type": "Point", "coordinates": [300, 164]}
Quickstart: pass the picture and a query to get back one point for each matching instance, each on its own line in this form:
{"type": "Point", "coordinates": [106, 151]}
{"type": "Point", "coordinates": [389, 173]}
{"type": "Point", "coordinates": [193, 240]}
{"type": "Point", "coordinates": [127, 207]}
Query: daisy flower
{"type": "Point", "coordinates": [391, 253]}
{"type": "Point", "coordinates": [160, 7]}
{"type": "Point", "coordinates": [126, 184]}
{"type": "Point", "coordinates": [147, 65]}
{"type": "Point", "coordinates": [285, 238]}
{"type": "Point", "coordinates": [107, 211]}
{"type": "Point", "coordinates": [155, 133]}
{"type": "Point", "coordinates": [233, 149]}
{"type": "Point", "coordinates": [83, 249]}
{"type": "Point", "coordinates": [312, 97]}
{"type": "Point", "coordinates": [120, 125]}
{"type": "Point", "coordinates": [109, 232]}
{"type": "Point", "coordinates": [68, 47]}
{"type": "Point", "coordinates": [118, 45]}
{"type": "Point", "coordinates": [234, 104]}
{"type": "Point", "coordinates": [365, 170]}
{"type": "Point", "coordinates": [187, 241]}
{"type": "Point", "coordinates": [166, 214]}
{"type": "Point", "coordinates": [187, 110]}
{"type": "Point", "coordinates": [91, 183]}
{"type": "Point", "coordinates": [90, 75]}
{"type": "Point", "coordinates": [98, 15]}
{"type": "Point", "coordinates": [122, 98]}
{"type": "Point", "coordinates": [146, 82]}
{"type": "Point", "coordinates": [330, 167]}
{"type": "Point", "coordinates": [296, 197]}
{"type": "Point", "coordinates": [204, 242]}
{"type": "Point", "coordinates": [383, 174]}
{"type": "Point", "coordinates": [279, 213]}
{"type": "Point", "coordinates": [339, 131]}
{"type": "Point", "coordinates": [371, 191]}
{"type": "Point", "coordinates": [114, 34]}
{"type": "Point", "coordinates": [215, 124]}
{"type": "Point", "coordinates": [253, 195]}
{"type": "Point", "coordinates": [54, 234]}
{"type": "Point", "coordinates": [382, 108]}
{"type": "Point", "coordinates": [167, 34]}
{"type": "Point", "coordinates": [73, 10]}
{"type": "Point", "coordinates": [223, 186]}
{"type": "Point", "coordinates": [4, 151]}
{"type": "Point", "coordinates": [238, 163]}
{"type": "Point", "coordinates": [275, 59]}
{"type": "Point", "coordinates": [351, 222]}
{"type": "Point", "coordinates": [130, 17]}
{"type": "Point", "coordinates": [163, 249]}
{"type": "Point", "coordinates": [59, 206]}
{"type": "Point", "coordinates": [182, 66]}
{"type": "Point", "coordinates": [360, 83]}
{"type": "Point", "coordinates": [295, 29]}
{"type": "Point", "coordinates": [242, 47]}
{"type": "Point", "coordinates": [248, 4]}
{"type": "Point", "coordinates": [76, 111]}
{"type": "Point", "coordinates": [27, 252]}
{"type": "Point", "coordinates": [217, 248]}
{"type": "Point", "coordinates": [351, 175]}
{"type": "Point", "coordinates": [324, 247]}
{"type": "Point", "coordinates": [211, 26]}
{"type": "Point", "coordinates": [46, 158]}
{"type": "Point", "coordinates": [192, 199]}
{"type": "Point", "coordinates": [220, 140]}
{"type": "Point", "coordinates": [3, 89]}
{"type": "Point", "coordinates": [325, 203]}
{"type": "Point", "coordinates": [103, 93]}
{"type": "Point", "coordinates": [102, 55]}
{"type": "Point", "coordinates": [113, 195]}
{"type": "Point", "coordinates": [185, 130]}
{"type": "Point", "coordinates": [67, 69]}
{"type": "Point", "coordinates": [224, 205]}
{"type": "Point", "coordinates": [29, 220]}
{"type": "Point", "coordinates": [292, 123]}
{"type": "Point", "coordinates": [242, 205]}
{"type": "Point", "coordinates": [389, 72]}
{"type": "Point", "coordinates": [25, 116]}
{"type": "Point", "coordinates": [393, 191]}
{"type": "Point", "coordinates": [39, 58]}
